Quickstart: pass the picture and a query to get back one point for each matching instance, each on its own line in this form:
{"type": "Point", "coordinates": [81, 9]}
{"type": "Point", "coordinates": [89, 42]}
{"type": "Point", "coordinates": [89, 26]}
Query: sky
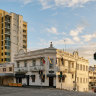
{"type": "Point", "coordinates": [69, 24]}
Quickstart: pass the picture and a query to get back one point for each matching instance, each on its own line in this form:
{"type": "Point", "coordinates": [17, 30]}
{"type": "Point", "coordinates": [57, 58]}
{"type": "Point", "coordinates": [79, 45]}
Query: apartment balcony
{"type": "Point", "coordinates": [7, 27]}
{"type": "Point", "coordinates": [7, 38]}
{"type": "Point", "coordinates": [7, 32]}
{"type": "Point", "coordinates": [21, 70]}
{"type": "Point", "coordinates": [7, 21]}
{"type": "Point", "coordinates": [36, 68]}
{"type": "Point", "coordinates": [62, 68]}
{"type": "Point", "coordinates": [71, 70]}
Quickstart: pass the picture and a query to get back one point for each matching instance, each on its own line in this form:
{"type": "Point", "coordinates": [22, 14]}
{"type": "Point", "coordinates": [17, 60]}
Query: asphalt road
{"type": "Point", "coordinates": [14, 91]}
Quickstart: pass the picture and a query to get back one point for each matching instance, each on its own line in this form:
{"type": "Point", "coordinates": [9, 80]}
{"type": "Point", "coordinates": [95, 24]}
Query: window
{"type": "Point", "coordinates": [77, 66]}
{"type": "Point", "coordinates": [24, 25]}
{"type": "Point", "coordinates": [62, 61]}
{"type": "Point", "coordinates": [80, 80]}
{"type": "Point", "coordinates": [2, 54]}
{"type": "Point", "coordinates": [24, 31]}
{"type": "Point", "coordinates": [24, 41]}
{"type": "Point", "coordinates": [18, 65]}
{"type": "Point", "coordinates": [24, 36]}
{"type": "Point", "coordinates": [33, 78]}
{"type": "Point", "coordinates": [2, 19]}
{"type": "Point", "coordinates": [4, 69]}
{"type": "Point", "coordinates": [80, 67]}
{"type": "Point", "coordinates": [72, 64]}
{"type": "Point", "coordinates": [24, 46]}
{"type": "Point", "coordinates": [2, 31]}
{"type": "Point", "coordinates": [7, 59]}
{"type": "Point", "coordinates": [25, 63]}
{"type": "Point", "coordinates": [77, 79]}
{"type": "Point", "coordinates": [86, 80]}
{"type": "Point", "coordinates": [51, 64]}
{"type": "Point", "coordinates": [1, 59]}
{"type": "Point", "coordinates": [83, 80]}
{"type": "Point", "coordinates": [2, 25]}
{"type": "Point", "coordinates": [34, 62]}
{"type": "Point", "coordinates": [83, 67]}
{"type": "Point", "coordinates": [7, 47]}
{"type": "Point", "coordinates": [72, 75]}
{"type": "Point", "coordinates": [86, 68]}
{"type": "Point", "coordinates": [2, 43]}
{"type": "Point", "coordinates": [7, 53]}
{"type": "Point", "coordinates": [10, 68]}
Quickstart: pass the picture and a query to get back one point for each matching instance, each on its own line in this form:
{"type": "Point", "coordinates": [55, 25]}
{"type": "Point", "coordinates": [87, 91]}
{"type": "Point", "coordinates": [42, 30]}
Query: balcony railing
{"type": "Point", "coordinates": [7, 32]}
{"type": "Point", "coordinates": [7, 38]}
{"type": "Point", "coordinates": [21, 69]}
{"type": "Point", "coordinates": [36, 68]}
{"type": "Point", "coordinates": [62, 68]}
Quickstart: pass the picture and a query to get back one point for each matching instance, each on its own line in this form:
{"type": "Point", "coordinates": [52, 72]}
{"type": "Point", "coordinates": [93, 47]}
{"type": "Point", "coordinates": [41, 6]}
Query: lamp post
{"type": "Point", "coordinates": [75, 86]}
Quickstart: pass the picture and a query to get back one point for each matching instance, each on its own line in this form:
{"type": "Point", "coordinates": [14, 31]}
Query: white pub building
{"type": "Point", "coordinates": [36, 68]}
{"type": "Point", "coordinates": [44, 67]}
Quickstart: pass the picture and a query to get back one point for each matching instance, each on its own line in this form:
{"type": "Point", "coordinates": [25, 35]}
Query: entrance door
{"type": "Point", "coordinates": [51, 81]}
{"type": "Point", "coordinates": [27, 80]}
{"type": "Point", "coordinates": [20, 80]}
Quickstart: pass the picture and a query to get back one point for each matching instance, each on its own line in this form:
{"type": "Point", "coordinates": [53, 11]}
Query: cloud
{"type": "Point", "coordinates": [72, 3]}
{"type": "Point", "coordinates": [76, 31]}
{"type": "Point", "coordinates": [26, 1]}
{"type": "Point", "coordinates": [63, 3]}
{"type": "Point", "coordinates": [57, 42]}
{"type": "Point", "coordinates": [55, 3]}
{"type": "Point", "coordinates": [77, 39]}
{"type": "Point", "coordinates": [63, 41]}
{"type": "Point", "coordinates": [87, 51]}
{"type": "Point", "coordinates": [45, 4]}
{"type": "Point", "coordinates": [54, 30]}
{"type": "Point", "coordinates": [89, 37]}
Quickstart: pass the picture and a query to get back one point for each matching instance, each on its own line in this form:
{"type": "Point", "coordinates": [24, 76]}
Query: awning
{"type": "Point", "coordinates": [51, 75]}
{"type": "Point", "coordinates": [32, 75]}
{"type": "Point", "coordinates": [20, 75]}
{"type": "Point", "coordinates": [27, 76]}
{"type": "Point", "coordinates": [7, 74]}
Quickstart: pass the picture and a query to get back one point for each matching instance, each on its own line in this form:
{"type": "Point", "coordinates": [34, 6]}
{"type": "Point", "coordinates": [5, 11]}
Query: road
{"type": "Point", "coordinates": [14, 91]}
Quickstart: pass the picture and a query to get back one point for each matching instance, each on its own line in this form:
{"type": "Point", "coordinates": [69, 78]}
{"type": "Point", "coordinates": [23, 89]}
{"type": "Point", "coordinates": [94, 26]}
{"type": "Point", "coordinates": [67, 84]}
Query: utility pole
{"type": "Point", "coordinates": [61, 79]}
{"type": "Point", "coordinates": [75, 77]}
{"type": "Point", "coordinates": [75, 87]}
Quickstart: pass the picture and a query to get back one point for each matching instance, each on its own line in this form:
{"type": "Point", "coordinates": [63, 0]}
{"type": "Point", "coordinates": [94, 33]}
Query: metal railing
{"type": "Point", "coordinates": [36, 68]}
{"type": "Point", "coordinates": [21, 69]}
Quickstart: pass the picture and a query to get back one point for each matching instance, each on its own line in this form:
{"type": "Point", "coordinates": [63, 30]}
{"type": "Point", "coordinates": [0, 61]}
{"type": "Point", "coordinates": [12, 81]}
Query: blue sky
{"type": "Point", "coordinates": [72, 21]}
